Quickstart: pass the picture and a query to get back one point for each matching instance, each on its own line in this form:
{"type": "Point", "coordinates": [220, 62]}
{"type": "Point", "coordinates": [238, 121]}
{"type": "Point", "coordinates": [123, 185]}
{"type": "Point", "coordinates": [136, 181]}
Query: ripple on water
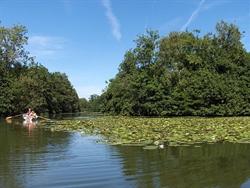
{"type": "Point", "coordinates": [85, 163]}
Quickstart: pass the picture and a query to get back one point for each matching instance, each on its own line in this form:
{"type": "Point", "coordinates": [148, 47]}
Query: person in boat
{"type": "Point", "coordinates": [29, 111]}
{"type": "Point", "coordinates": [32, 114]}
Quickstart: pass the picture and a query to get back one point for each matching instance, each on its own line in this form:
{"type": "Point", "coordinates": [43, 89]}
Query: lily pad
{"type": "Point", "coordinates": [150, 147]}
{"type": "Point", "coordinates": [197, 146]}
{"type": "Point", "coordinates": [175, 131]}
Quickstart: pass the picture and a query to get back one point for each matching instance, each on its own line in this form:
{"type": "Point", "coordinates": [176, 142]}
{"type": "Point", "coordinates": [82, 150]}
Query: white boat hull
{"type": "Point", "coordinates": [28, 118]}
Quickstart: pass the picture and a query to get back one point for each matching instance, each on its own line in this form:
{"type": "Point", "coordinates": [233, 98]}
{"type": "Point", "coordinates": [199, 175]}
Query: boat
{"type": "Point", "coordinates": [27, 118]}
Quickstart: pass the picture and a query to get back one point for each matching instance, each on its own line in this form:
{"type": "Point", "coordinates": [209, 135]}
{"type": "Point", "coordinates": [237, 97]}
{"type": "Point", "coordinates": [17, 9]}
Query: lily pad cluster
{"type": "Point", "coordinates": [157, 132]}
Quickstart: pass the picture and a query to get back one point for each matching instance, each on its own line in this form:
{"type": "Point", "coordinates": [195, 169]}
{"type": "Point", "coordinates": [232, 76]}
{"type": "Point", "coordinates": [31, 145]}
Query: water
{"type": "Point", "coordinates": [33, 157]}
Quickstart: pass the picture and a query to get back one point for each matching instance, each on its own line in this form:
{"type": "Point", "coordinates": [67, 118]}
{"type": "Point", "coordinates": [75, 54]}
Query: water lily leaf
{"type": "Point", "coordinates": [135, 144]}
{"type": "Point", "coordinates": [175, 131]}
{"type": "Point", "coordinates": [197, 146]}
{"type": "Point", "coordinates": [150, 147]}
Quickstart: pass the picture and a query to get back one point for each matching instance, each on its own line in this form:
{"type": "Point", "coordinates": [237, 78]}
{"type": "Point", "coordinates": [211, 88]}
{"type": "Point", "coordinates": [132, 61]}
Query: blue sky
{"type": "Point", "coordinates": [87, 39]}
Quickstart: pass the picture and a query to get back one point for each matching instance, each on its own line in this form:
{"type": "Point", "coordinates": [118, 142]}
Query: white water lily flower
{"type": "Point", "coordinates": [156, 143]}
{"type": "Point", "coordinates": [161, 146]}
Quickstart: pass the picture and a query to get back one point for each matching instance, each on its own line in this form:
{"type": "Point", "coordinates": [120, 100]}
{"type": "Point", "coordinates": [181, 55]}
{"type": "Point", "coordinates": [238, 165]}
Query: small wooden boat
{"type": "Point", "coordinates": [26, 117]}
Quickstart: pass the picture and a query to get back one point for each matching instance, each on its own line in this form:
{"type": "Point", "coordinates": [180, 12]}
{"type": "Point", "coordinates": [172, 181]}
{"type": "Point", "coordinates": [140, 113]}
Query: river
{"type": "Point", "coordinates": [31, 156]}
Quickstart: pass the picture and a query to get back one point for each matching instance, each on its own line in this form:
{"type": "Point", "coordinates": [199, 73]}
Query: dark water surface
{"type": "Point", "coordinates": [32, 157]}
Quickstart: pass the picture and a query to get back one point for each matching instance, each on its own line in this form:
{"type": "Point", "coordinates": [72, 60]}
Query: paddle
{"type": "Point", "coordinates": [43, 118]}
{"type": "Point", "coordinates": [14, 116]}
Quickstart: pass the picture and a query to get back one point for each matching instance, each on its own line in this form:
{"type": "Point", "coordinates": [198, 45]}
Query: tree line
{"type": "Point", "coordinates": [182, 74]}
{"type": "Point", "coordinates": [176, 75]}
{"type": "Point", "coordinates": [26, 84]}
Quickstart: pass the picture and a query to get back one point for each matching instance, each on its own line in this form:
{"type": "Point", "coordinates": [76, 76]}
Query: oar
{"type": "Point", "coordinates": [43, 118]}
{"type": "Point", "coordinates": [14, 116]}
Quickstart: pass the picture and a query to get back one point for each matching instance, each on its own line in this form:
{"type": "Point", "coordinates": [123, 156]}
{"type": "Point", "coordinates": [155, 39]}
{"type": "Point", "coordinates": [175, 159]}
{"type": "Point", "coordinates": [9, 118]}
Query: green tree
{"type": "Point", "coordinates": [13, 61]}
{"type": "Point", "coordinates": [183, 74]}
{"type": "Point", "coordinates": [83, 104]}
{"type": "Point", "coordinates": [64, 97]}
{"type": "Point", "coordinates": [26, 84]}
{"type": "Point", "coordinates": [32, 88]}
{"type": "Point", "coordinates": [94, 103]}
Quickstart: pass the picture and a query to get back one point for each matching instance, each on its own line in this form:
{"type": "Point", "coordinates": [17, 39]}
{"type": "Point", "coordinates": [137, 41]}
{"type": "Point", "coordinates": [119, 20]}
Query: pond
{"type": "Point", "coordinates": [31, 156]}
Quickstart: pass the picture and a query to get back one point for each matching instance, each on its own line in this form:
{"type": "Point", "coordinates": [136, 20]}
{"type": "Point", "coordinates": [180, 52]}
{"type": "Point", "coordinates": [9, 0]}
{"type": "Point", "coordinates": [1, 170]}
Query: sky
{"type": "Point", "coordinates": [87, 39]}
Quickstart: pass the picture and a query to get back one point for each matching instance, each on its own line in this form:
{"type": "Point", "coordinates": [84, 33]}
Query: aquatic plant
{"type": "Point", "coordinates": [157, 132]}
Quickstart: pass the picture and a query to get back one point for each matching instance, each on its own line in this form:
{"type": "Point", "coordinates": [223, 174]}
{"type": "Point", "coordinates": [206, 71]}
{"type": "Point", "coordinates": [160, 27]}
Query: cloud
{"type": "Point", "coordinates": [193, 16]}
{"type": "Point", "coordinates": [47, 52]}
{"type": "Point", "coordinates": [56, 42]}
{"type": "Point", "coordinates": [113, 20]}
{"type": "Point", "coordinates": [169, 25]}
{"type": "Point", "coordinates": [46, 46]}
{"type": "Point", "coordinates": [211, 4]}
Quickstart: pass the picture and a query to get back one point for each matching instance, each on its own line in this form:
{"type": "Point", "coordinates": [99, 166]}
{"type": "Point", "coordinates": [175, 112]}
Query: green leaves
{"type": "Point", "coordinates": [26, 84]}
{"type": "Point", "coordinates": [13, 60]}
{"type": "Point", "coordinates": [157, 132]}
{"type": "Point", "coordinates": [183, 74]}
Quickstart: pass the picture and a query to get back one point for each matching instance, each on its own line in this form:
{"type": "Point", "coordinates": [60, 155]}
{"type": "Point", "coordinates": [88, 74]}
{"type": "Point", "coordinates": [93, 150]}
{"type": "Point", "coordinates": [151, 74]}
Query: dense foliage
{"type": "Point", "coordinates": [93, 104]}
{"type": "Point", "coordinates": [183, 74]}
{"type": "Point", "coordinates": [25, 84]}
{"type": "Point", "coordinates": [171, 131]}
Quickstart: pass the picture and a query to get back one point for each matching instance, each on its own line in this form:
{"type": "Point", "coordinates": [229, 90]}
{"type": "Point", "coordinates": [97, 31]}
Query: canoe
{"type": "Point", "coordinates": [26, 117]}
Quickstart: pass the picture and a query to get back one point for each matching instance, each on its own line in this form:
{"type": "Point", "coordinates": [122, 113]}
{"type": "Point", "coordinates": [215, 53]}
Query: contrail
{"type": "Point", "coordinates": [113, 20]}
{"type": "Point", "coordinates": [146, 24]}
{"type": "Point", "coordinates": [193, 15]}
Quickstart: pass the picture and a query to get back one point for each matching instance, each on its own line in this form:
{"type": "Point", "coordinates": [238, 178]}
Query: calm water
{"type": "Point", "coordinates": [32, 157]}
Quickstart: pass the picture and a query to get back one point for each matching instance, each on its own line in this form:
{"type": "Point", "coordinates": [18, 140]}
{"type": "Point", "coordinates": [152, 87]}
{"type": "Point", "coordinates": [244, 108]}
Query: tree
{"type": "Point", "coordinates": [32, 88]}
{"type": "Point", "coordinates": [83, 104]}
{"type": "Point", "coordinates": [13, 61]}
{"type": "Point", "coordinates": [183, 74]}
{"type": "Point", "coordinates": [63, 96]}
{"type": "Point", "coordinates": [26, 84]}
{"type": "Point", "coordinates": [94, 103]}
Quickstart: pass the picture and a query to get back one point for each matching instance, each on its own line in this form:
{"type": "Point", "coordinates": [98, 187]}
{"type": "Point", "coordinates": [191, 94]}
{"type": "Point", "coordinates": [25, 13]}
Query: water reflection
{"type": "Point", "coordinates": [217, 165]}
{"type": "Point", "coordinates": [30, 125]}
{"type": "Point", "coordinates": [25, 149]}
{"type": "Point", "coordinates": [33, 157]}
{"type": "Point", "coordinates": [246, 184]}
{"type": "Point", "coordinates": [80, 115]}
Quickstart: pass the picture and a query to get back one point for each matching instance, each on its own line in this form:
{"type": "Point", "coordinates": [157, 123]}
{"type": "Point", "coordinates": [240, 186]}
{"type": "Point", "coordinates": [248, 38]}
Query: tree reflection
{"type": "Point", "coordinates": [216, 165]}
{"type": "Point", "coordinates": [26, 149]}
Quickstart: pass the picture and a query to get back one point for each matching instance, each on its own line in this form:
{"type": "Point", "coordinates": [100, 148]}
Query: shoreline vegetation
{"type": "Point", "coordinates": [181, 74]}
{"type": "Point", "coordinates": [158, 132]}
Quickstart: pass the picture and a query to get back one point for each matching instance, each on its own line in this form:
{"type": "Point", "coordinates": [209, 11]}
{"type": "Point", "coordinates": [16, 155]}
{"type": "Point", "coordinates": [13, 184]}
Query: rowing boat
{"type": "Point", "coordinates": [26, 117]}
